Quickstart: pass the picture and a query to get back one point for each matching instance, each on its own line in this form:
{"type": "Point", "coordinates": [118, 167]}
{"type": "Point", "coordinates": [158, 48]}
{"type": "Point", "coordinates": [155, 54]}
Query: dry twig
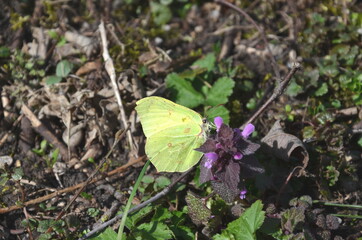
{"type": "Point", "coordinates": [112, 75]}
{"type": "Point", "coordinates": [44, 132]}
{"type": "Point", "coordinates": [70, 189]}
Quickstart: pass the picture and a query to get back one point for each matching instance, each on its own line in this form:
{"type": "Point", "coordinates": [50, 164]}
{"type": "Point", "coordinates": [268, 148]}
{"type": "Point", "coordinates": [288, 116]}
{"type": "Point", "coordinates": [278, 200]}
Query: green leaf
{"type": "Point", "coordinates": [322, 90]}
{"type": "Point", "coordinates": [220, 91]}
{"type": "Point", "coordinates": [166, 2]}
{"type": "Point", "coordinates": [224, 236]}
{"type": "Point", "coordinates": [45, 236]}
{"type": "Point", "coordinates": [108, 234]}
{"type": "Point", "coordinates": [192, 73]}
{"type": "Point", "coordinates": [53, 34]}
{"type": "Point", "coordinates": [154, 231]}
{"type": "Point", "coordinates": [251, 104]}
{"type": "Point", "coordinates": [207, 62]}
{"type": "Point", "coordinates": [308, 132]}
{"type": "Point", "coordinates": [161, 13]}
{"type": "Point", "coordinates": [63, 68]}
{"type": "Point", "coordinates": [183, 232]}
{"type": "Point", "coordinates": [293, 89]}
{"type": "Point", "coordinates": [148, 179]}
{"type": "Point", "coordinates": [162, 182]}
{"type": "Point", "coordinates": [53, 80]}
{"type": "Point", "coordinates": [360, 142]}
{"type": "Point", "coordinates": [336, 103]}
{"type": "Point", "coordinates": [184, 92]}
{"type": "Point", "coordinates": [93, 212]}
{"type": "Point", "coordinates": [162, 214]}
{"type": "Point", "coordinates": [4, 52]}
{"type": "Point", "coordinates": [134, 218]}
{"type": "Point", "coordinates": [330, 70]}
{"type": "Point", "coordinates": [220, 111]}
{"type": "Point", "coordinates": [246, 225]}
{"type": "Point", "coordinates": [44, 225]}
{"type": "Point", "coordinates": [18, 174]}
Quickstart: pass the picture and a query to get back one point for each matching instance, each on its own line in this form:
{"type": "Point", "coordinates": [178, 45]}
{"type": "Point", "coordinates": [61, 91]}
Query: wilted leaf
{"type": "Point", "coordinates": [89, 67]}
{"type": "Point", "coordinates": [5, 160]}
{"type": "Point", "coordinates": [285, 146]}
{"type": "Point", "coordinates": [74, 137]}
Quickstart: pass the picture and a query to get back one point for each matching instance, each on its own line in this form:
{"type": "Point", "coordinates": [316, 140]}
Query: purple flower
{"type": "Point", "coordinates": [211, 158]}
{"type": "Point", "coordinates": [228, 159]}
{"type": "Point", "coordinates": [243, 194]}
{"type": "Point", "coordinates": [218, 122]}
{"type": "Point", "coordinates": [238, 156]}
{"type": "Point", "coordinates": [249, 129]}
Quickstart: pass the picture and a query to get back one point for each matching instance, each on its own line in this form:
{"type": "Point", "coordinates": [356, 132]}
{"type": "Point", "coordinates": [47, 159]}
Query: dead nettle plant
{"type": "Point", "coordinates": [227, 161]}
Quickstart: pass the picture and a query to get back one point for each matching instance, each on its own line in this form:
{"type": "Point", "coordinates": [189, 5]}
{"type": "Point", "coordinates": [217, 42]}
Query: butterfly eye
{"type": "Point", "coordinates": [204, 120]}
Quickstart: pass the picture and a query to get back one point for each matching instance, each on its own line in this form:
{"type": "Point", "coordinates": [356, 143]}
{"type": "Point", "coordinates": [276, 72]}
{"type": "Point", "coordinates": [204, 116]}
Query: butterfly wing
{"type": "Point", "coordinates": [173, 132]}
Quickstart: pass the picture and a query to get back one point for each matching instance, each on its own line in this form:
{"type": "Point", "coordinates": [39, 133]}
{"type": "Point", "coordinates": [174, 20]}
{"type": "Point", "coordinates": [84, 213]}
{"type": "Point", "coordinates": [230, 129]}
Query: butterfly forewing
{"type": "Point", "coordinates": [172, 131]}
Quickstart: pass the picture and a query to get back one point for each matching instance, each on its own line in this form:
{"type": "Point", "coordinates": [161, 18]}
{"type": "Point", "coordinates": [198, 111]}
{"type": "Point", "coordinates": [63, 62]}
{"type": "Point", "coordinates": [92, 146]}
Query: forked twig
{"type": "Point", "coordinates": [278, 90]}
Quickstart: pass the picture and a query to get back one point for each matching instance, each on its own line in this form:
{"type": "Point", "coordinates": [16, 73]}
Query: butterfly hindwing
{"type": "Point", "coordinates": [173, 132]}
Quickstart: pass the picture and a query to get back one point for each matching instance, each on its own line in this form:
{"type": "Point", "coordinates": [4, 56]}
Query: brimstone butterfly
{"type": "Point", "coordinates": [173, 132]}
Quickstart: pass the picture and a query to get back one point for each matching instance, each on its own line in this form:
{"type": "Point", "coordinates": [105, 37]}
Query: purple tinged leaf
{"type": "Point", "coordinates": [230, 176]}
{"type": "Point", "coordinates": [249, 129]}
{"type": "Point", "coordinates": [246, 147]}
{"type": "Point", "coordinates": [205, 173]}
{"type": "Point", "coordinates": [208, 146]}
{"type": "Point", "coordinates": [228, 158]}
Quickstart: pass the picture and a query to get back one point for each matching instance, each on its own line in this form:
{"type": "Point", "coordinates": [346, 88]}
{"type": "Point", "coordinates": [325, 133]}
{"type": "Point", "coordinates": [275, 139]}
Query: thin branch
{"type": "Point", "coordinates": [69, 189]}
{"type": "Point", "coordinates": [164, 192]}
{"type": "Point", "coordinates": [278, 90]}
{"type": "Point", "coordinates": [261, 32]}
{"type": "Point", "coordinates": [112, 75]}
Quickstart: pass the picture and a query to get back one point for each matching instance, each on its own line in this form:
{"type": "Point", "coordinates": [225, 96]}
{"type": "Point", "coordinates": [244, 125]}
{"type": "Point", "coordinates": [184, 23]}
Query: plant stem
{"type": "Point", "coordinates": [129, 202]}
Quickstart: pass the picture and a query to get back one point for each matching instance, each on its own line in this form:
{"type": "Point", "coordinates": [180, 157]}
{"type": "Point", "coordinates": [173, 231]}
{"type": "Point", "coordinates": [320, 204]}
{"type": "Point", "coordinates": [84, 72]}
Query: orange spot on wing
{"type": "Point", "coordinates": [187, 130]}
{"type": "Point", "coordinates": [169, 144]}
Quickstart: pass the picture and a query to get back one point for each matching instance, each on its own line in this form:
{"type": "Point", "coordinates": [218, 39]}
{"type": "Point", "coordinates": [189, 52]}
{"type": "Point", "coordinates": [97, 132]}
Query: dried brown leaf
{"type": "Point", "coordinates": [285, 146]}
